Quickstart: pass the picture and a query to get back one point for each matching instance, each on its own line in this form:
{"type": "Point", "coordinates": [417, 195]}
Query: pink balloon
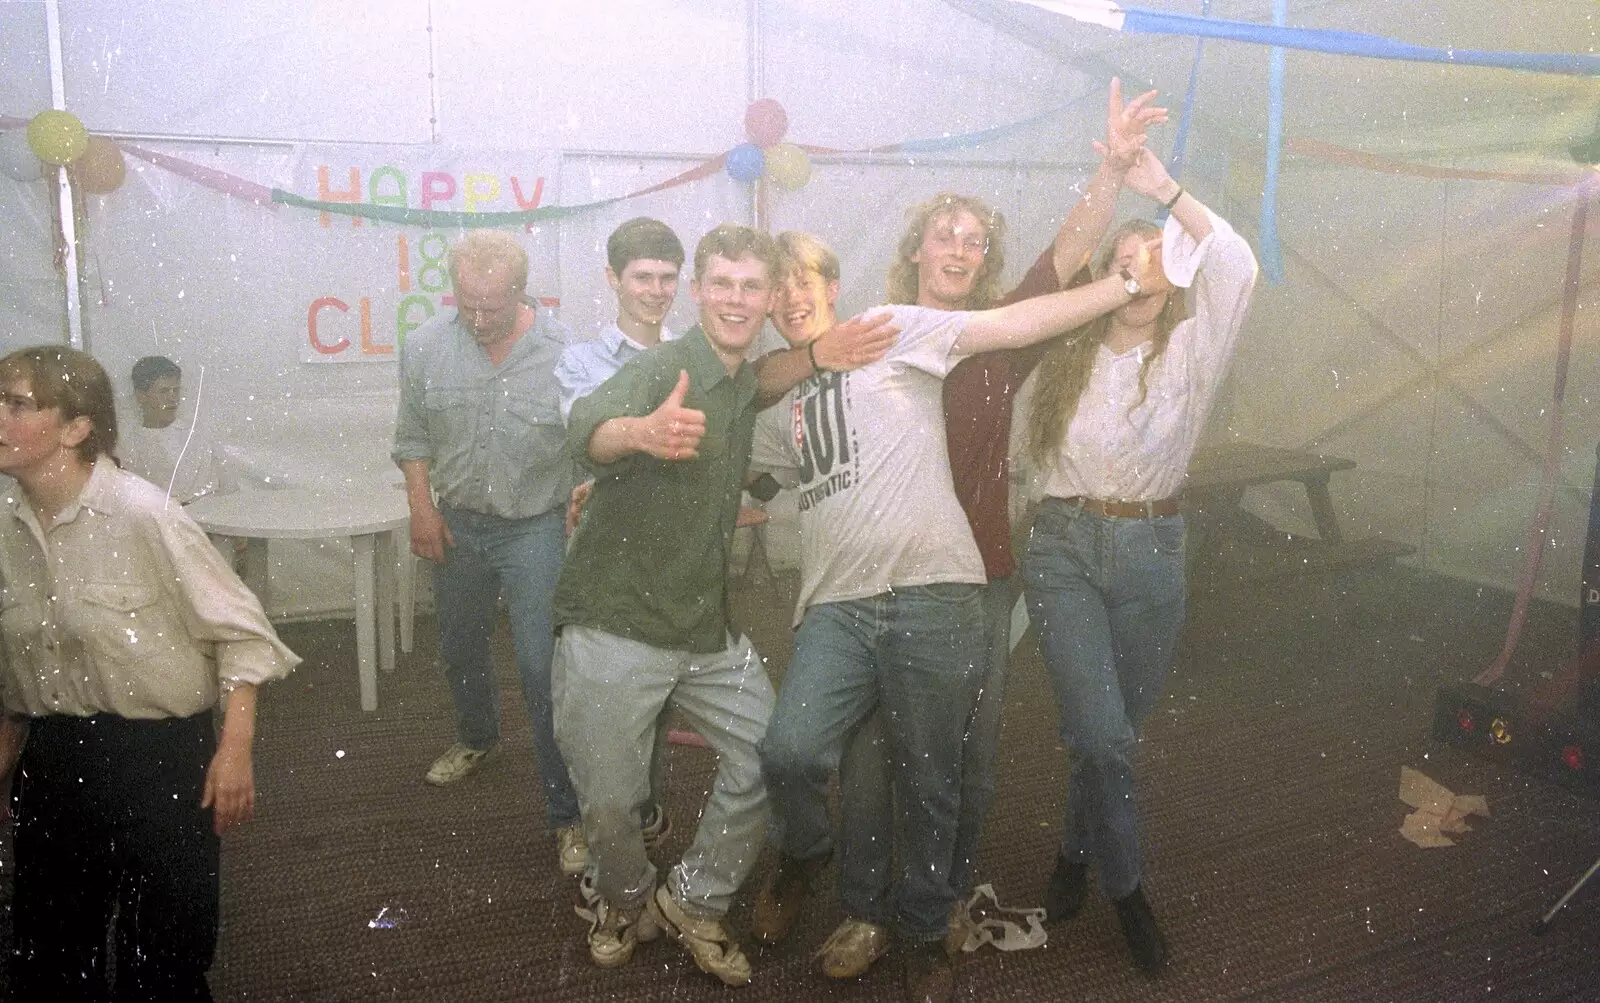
{"type": "Point", "coordinates": [765, 122]}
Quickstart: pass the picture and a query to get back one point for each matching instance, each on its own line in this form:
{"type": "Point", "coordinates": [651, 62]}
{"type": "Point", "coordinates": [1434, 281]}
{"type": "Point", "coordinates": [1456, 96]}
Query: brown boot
{"type": "Point", "coordinates": [782, 896]}
{"type": "Point", "coordinates": [930, 973]}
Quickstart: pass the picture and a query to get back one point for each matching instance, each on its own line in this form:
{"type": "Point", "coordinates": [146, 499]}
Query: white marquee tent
{"type": "Point", "coordinates": [1414, 331]}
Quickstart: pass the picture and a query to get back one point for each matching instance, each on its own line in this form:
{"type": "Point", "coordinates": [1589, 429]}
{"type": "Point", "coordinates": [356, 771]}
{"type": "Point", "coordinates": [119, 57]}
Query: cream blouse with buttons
{"type": "Point", "coordinates": [123, 606]}
{"type": "Point", "coordinates": [1124, 446]}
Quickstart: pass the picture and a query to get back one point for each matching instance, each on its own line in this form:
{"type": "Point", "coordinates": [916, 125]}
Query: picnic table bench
{"type": "Point", "coordinates": [1218, 478]}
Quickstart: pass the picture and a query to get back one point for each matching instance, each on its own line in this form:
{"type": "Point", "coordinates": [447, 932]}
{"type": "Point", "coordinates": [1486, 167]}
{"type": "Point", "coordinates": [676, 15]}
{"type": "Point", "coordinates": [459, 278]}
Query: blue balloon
{"type": "Point", "coordinates": [746, 162]}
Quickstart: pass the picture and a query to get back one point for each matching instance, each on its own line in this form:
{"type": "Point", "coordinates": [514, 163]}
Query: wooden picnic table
{"type": "Point", "coordinates": [1218, 478]}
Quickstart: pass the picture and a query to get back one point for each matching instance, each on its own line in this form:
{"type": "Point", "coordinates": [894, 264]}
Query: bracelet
{"type": "Point", "coordinates": [1167, 207]}
{"type": "Point", "coordinates": [811, 353]}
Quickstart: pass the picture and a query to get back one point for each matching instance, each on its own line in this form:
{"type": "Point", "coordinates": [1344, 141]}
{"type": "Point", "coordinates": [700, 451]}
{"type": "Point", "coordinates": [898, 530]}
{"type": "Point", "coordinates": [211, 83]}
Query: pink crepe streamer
{"type": "Point", "coordinates": [227, 184]}
{"type": "Point", "coordinates": [1539, 533]}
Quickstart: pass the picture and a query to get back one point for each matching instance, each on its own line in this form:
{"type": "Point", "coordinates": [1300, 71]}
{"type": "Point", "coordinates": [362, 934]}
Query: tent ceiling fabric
{"type": "Point", "coordinates": [1348, 99]}
{"type": "Point", "coordinates": [1416, 330]}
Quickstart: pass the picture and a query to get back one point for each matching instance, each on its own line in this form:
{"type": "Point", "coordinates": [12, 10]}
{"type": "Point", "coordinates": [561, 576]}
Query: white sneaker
{"type": "Point", "coordinates": [714, 951]}
{"type": "Point", "coordinates": [614, 933]}
{"type": "Point", "coordinates": [572, 849]}
{"type": "Point", "coordinates": [458, 761]}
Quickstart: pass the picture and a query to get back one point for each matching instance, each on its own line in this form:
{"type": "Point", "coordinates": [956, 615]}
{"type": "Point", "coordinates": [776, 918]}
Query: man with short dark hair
{"type": "Point", "coordinates": [174, 455]}
{"type": "Point", "coordinates": [480, 426]}
{"type": "Point", "coordinates": [642, 610]}
{"type": "Point", "coordinates": [643, 259]}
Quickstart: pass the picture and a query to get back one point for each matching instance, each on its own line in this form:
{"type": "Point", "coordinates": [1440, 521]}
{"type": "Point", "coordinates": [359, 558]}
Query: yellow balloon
{"type": "Point", "coordinates": [788, 166]}
{"type": "Point", "coordinates": [57, 137]}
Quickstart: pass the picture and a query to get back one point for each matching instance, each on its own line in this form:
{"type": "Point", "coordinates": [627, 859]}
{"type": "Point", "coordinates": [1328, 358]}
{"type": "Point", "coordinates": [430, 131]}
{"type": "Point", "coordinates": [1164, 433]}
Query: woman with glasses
{"type": "Point", "coordinates": [122, 629]}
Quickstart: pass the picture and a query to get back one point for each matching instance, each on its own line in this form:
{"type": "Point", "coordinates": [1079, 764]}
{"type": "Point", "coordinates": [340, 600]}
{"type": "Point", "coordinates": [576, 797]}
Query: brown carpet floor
{"type": "Point", "coordinates": [1268, 785]}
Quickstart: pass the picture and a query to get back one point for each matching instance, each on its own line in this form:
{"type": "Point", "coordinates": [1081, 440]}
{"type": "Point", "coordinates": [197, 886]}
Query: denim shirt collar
{"type": "Point", "coordinates": [618, 344]}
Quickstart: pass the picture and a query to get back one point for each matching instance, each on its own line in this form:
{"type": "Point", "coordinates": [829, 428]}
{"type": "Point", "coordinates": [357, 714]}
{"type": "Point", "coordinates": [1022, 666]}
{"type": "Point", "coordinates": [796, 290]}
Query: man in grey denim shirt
{"type": "Point", "coordinates": [480, 430]}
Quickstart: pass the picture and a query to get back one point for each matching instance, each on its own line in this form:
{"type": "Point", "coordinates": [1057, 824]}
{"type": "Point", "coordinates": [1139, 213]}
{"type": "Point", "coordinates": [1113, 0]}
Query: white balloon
{"type": "Point", "coordinates": [17, 159]}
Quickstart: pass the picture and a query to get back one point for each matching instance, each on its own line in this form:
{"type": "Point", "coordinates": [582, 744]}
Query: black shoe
{"type": "Point", "coordinates": [784, 895]}
{"type": "Point", "coordinates": [1149, 947]}
{"type": "Point", "coordinates": [930, 975]}
{"type": "Point", "coordinates": [1069, 883]}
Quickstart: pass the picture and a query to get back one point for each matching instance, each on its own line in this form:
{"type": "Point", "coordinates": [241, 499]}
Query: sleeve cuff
{"type": "Point", "coordinates": [1181, 256]}
{"type": "Point", "coordinates": [252, 661]}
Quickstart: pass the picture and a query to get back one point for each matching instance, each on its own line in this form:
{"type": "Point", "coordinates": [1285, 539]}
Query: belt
{"type": "Point", "coordinates": [1127, 509]}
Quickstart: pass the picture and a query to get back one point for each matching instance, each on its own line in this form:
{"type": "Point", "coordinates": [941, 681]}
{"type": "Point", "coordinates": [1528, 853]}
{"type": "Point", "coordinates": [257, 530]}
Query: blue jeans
{"type": "Point", "coordinates": [912, 654]}
{"type": "Point", "coordinates": [866, 808]}
{"type": "Point", "coordinates": [522, 559]}
{"type": "Point", "coordinates": [1107, 596]}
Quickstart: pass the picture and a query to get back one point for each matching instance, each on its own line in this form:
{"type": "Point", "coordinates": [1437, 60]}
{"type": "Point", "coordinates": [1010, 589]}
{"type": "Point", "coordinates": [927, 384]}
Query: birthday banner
{"type": "Point", "coordinates": [376, 281]}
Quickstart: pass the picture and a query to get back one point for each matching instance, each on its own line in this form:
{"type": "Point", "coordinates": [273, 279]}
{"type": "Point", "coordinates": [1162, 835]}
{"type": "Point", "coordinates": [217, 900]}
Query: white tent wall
{"type": "Point", "coordinates": [1389, 279]}
{"type": "Point", "coordinates": [219, 284]}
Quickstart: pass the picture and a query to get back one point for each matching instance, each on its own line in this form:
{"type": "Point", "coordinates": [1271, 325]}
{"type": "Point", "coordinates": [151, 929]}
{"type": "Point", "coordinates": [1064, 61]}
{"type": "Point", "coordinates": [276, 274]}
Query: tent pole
{"type": "Point", "coordinates": [758, 191]}
{"type": "Point", "coordinates": [69, 230]}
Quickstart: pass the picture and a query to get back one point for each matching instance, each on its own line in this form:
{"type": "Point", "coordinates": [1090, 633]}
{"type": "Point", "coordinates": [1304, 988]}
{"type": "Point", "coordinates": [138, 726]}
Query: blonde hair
{"type": "Point", "coordinates": [802, 251]}
{"type": "Point", "coordinates": [903, 286]}
{"type": "Point", "coordinates": [1065, 369]}
{"type": "Point", "coordinates": [490, 253]}
{"type": "Point", "coordinates": [732, 241]}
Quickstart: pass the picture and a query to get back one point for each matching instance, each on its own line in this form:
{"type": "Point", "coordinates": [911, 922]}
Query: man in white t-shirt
{"type": "Point", "coordinates": [889, 615]}
{"type": "Point", "coordinates": [171, 454]}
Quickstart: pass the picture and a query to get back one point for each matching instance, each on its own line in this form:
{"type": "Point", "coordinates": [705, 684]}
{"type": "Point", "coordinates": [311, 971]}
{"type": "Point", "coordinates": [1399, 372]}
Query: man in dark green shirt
{"type": "Point", "coordinates": [642, 611]}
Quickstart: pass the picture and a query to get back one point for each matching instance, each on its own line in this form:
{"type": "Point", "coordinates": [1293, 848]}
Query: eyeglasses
{"type": "Point", "coordinates": [18, 404]}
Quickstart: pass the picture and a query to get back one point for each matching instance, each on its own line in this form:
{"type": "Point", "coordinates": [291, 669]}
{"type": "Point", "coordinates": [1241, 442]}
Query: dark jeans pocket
{"type": "Point", "coordinates": [1170, 533]}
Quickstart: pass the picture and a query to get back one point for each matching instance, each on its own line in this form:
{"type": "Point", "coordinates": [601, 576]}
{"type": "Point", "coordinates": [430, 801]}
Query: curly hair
{"type": "Point", "coordinates": [903, 286]}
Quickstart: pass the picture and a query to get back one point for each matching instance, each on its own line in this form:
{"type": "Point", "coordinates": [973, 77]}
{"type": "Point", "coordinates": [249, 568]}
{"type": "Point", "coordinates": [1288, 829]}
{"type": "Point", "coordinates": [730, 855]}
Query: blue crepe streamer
{"type": "Point", "coordinates": [1271, 250]}
{"type": "Point", "coordinates": [970, 139]}
{"type": "Point", "coordinates": [1351, 43]}
{"type": "Point", "coordinates": [1175, 162]}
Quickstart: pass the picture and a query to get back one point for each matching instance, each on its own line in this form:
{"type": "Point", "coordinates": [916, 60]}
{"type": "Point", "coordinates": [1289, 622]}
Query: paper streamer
{"type": "Point", "coordinates": [468, 220]}
{"type": "Point", "coordinates": [1351, 43]}
{"type": "Point", "coordinates": [1388, 165]}
{"type": "Point", "coordinates": [250, 191]}
{"type": "Point", "coordinates": [221, 181]}
{"type": "Point", "coordinates": [1539, 532]}
{"type": "Point", "coordinates": [1343, 43]}
{"type": "Point", "coordinates": [1271, 249]}
{"type": "Point", "coordinates": [1175, 161]}
{"type": "Point", "coordinates": [965, 140]}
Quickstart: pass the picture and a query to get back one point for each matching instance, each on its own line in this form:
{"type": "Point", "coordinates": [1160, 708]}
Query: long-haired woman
{"type": "Point", "coordinates": [122, 629]}
{"type": "Point", "coordinates": [1115, 418]}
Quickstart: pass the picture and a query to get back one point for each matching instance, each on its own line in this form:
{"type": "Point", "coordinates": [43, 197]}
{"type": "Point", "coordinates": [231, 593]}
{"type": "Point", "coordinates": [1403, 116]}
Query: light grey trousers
{"type": "Point", "coordinates": [608, 693]}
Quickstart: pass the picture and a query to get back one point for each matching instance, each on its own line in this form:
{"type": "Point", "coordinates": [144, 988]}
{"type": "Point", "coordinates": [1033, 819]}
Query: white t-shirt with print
{"type": "Point", "coordinates": [866, 453]}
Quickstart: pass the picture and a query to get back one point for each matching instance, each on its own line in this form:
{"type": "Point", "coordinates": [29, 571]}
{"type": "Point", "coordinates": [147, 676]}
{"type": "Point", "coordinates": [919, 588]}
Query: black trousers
{"type": "Point", "coordinates": [109, 820]}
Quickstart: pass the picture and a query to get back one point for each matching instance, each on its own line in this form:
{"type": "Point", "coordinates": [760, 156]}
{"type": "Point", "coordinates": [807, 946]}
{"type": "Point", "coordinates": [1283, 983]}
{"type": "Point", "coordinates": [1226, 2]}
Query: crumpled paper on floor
{"type": "Point", "coordinates": [1439, 812]}
{"type": "Point", "coordinates": [986, 923]}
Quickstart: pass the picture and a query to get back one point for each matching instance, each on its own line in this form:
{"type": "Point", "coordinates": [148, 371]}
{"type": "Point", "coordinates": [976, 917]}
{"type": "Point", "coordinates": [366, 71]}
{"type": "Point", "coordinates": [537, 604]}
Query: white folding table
{"type": "Point", "coordinates": [368, 512]}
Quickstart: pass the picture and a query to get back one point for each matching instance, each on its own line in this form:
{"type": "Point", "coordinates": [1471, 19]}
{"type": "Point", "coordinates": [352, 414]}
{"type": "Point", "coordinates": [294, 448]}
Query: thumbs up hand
{"type": "Point", "coordinates": [672, 431]}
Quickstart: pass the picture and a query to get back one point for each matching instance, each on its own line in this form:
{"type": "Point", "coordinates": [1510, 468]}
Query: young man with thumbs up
{"type": "Point", "coordinates": [642, 611]}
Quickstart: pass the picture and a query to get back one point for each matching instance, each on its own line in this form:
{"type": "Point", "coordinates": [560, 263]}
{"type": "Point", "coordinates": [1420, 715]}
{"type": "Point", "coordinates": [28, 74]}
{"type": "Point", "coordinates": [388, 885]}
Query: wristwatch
{"type": "Point", "coordinates": [1130, 283]}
